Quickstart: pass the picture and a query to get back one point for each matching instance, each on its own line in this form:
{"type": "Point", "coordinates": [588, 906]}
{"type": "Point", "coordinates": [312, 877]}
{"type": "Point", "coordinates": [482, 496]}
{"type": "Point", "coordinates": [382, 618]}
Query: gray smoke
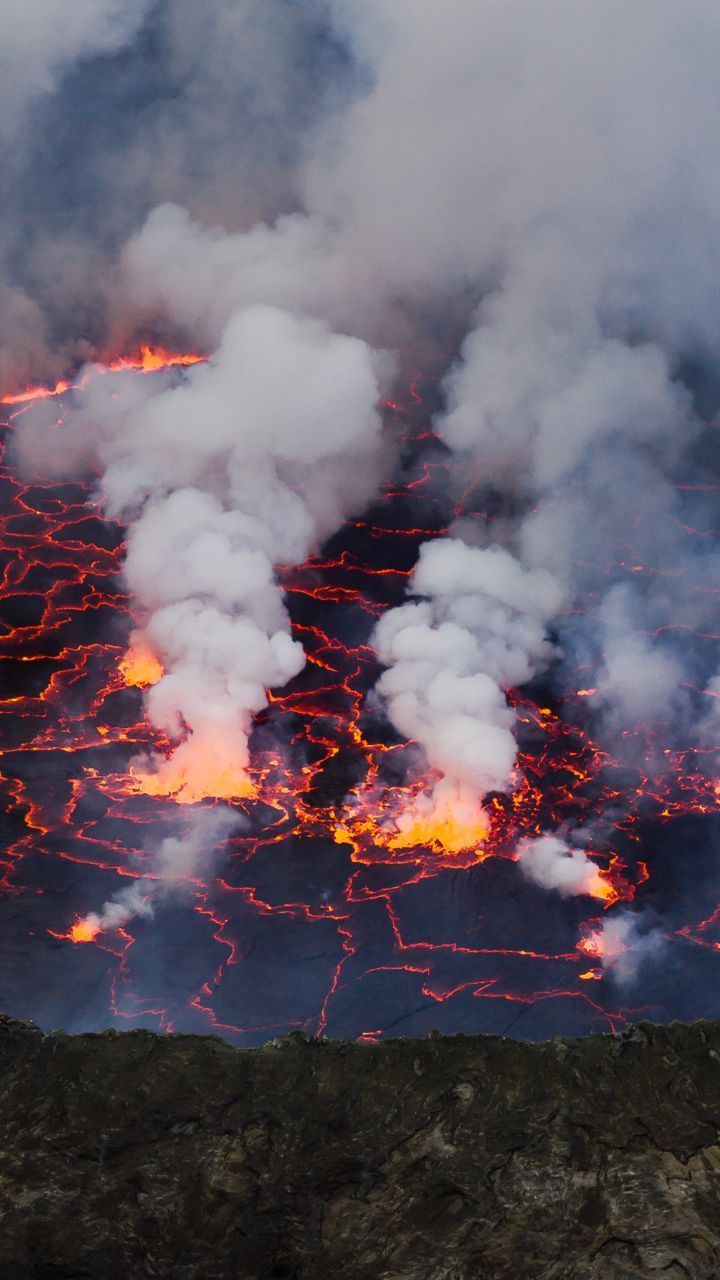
{"type": "Point", "coordinates": [328, 174]}
{"type": "Point", "coordinates": [247, 463]}
{"type": "Point", "coordinates": [112, 108]}
{"type": "Point", "coordinates": [173, 868]}
{"type": "Point", "coordinates": [622, 944]}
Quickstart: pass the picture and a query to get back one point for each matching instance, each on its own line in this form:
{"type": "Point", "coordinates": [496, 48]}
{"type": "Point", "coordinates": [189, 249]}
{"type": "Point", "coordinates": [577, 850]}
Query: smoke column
{"type": "Point", "coordinates": [248, 463]}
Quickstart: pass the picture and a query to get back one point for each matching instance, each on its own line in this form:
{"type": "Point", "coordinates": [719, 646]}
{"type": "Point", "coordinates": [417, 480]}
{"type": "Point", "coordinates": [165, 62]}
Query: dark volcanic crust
{"type": "Point", "coordinates": [133, 1155]}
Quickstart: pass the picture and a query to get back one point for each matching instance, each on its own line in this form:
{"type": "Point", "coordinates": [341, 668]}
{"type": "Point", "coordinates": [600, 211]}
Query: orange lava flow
{"type": "Point", "coordinates": [346, 900]}
{"type": "Point", "coordinates": [443, 829]}
{"type": "Point", "coordinates": [404, 819]}
{"type": "Point", "coordinates": [149, 359]}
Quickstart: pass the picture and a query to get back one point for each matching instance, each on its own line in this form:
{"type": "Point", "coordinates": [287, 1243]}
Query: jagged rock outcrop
{"type": "Point", "coordinates": [133, 1155]}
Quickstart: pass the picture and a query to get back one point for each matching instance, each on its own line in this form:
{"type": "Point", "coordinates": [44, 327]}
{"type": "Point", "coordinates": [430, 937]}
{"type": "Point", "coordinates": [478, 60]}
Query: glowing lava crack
{"type": "Point", "coordinates": [339, 903]}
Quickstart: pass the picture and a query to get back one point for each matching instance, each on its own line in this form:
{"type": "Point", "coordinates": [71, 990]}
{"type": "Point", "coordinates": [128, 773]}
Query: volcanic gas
{"type": "Point", "coordinates": [339, 898]}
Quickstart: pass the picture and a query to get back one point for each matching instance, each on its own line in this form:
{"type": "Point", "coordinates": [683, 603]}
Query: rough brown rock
{"type": "Point", "coordinates": [125, 1156]}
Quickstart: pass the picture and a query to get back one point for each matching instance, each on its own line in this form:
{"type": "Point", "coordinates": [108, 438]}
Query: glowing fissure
{"type": "Point", "coordinates": [150, 359]}
{"type": "Point", "coordinates": [558, 778]}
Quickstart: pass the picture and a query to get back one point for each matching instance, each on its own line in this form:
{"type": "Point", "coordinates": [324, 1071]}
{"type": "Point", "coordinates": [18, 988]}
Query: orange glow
{"type": "Point", "coordinates": [192, 773]}
{"type": "Point", "coordinates": [442, 830]}
{"type": "Point", "coordinates": [591, 945]}
{"type": "Point", "coordinates": [83, 931]}
{"type": "Point", "coordinates": [36, 393]}
{"type": "Point", "coordinates": [147, 360]}
{"type": "Point", "coordinates": [151, 359]}
{"type": "Point", "coordinates": [602, 888]}
{"type": "Point", "coordinates": [80, 931]}
{"type": "Point", "coordinates": [610, 884]}
{"type": "Point", "coordinates": [602, 944]}
{"type": "Point", "coordinates": [444, 822]}
{"type": "Point", "coordinates": [140, 667]}
{"type": "Point", "coordinates": [591, 975]}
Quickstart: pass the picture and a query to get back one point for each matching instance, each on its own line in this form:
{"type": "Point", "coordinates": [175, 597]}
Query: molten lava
{"type": "Point", "coordinates": [83, 931]}
{"type": "Point", "coordinates": [148, 360]}
{"type": "Point", "coordinates": [80, 931]}
{"type": "Point", "coordinates": [450, 825]}
{"type": "Point", "coordinates": [140, 667]}
{"type": "Point", "coordinates": [197, 769]}
{"type": "Point", "coordinates": [454, 825]}
{"type": "Point", "coordinates": [348, 899]}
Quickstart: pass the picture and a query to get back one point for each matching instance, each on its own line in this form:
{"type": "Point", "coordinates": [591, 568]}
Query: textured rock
{"type": "Point", "coordinates": [126, 1156]}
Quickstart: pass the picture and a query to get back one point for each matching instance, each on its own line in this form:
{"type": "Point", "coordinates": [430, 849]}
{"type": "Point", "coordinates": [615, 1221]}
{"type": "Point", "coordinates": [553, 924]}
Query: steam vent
{"type": "Point", "coordinates": [359, 639]}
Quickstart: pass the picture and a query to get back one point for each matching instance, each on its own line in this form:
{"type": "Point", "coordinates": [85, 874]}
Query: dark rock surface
{"type": "Point", "coordinates": [125, 1156]}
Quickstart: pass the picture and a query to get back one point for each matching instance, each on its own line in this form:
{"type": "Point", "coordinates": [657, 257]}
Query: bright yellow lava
{"type": "Point", "coordinates": [425, 823]}
{"type": "Point", "coordinates": [83, 931]}
{"type": "Point", "coordinates": [140, 667]}
{"type": "Point", "coordinates": [443, 832]}
{"type": "Point", "coordinates": [188, 778]}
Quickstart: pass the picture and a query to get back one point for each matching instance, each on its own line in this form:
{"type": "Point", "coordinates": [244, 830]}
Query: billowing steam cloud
{"type": "Point", "coordinates": [552, 864]}
{"type": "Point", "coordinates": [541, 180]}
{"type": "Point", "coordinates": [248, 463]}
{"type": "Point", "coordinates": [479, 629]}
{"type": "Point", "coordinates": [562, 179]}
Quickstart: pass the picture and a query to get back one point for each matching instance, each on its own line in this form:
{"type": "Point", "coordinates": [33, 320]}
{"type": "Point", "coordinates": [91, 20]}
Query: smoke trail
{"type": "Point", "coordinates": [622, 943]}
{"type": "Point", "coordinates": [171, 869]}
{"type": "Point", "coordinates": [552, 864]}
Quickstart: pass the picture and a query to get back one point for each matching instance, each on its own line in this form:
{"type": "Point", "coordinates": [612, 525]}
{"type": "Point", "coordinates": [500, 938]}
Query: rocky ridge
{"type": "Point", "coordinates": [131, 1155]}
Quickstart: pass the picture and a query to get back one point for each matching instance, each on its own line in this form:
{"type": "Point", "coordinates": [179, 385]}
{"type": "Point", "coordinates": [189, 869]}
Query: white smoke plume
{"type": "Point", "coordinates": [171, 869]}
{"type": "Point", "coordinates": [478, 629]}
{"type": "Point", "coordinates": [552, 864]}
{"type": "Point", "coordinates": [622, 943]}
{"type": "Point", "coordinates": [248, 463]}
